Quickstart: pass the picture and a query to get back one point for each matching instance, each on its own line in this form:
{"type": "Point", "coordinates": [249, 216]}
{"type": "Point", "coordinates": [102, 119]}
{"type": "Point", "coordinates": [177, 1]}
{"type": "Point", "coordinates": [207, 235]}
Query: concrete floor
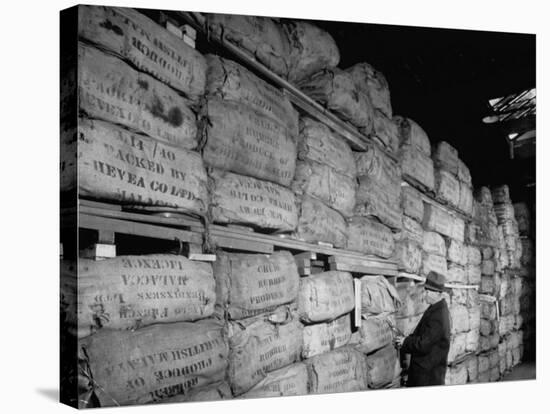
{"type": "Point", "coordinates": [524, 371]}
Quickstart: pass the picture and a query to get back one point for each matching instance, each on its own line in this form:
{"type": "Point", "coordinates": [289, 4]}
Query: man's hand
{"type": "Point", "coordinates": [398, 341]}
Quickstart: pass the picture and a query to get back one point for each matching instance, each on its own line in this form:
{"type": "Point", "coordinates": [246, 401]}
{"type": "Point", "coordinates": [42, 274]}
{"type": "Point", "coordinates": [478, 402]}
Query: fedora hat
{"type": "Point", "coordinates": [436, 282]}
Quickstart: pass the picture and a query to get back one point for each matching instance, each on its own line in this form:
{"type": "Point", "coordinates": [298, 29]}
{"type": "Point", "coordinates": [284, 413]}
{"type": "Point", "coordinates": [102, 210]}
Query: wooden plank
{"type": "Point", "coordinates": [362, 261]}
{"type": "Point", "coordinates": [137, 229]}
{"type": "Point", "coordinates": [411, 276]}
{"type": "Point", "coordinates": [353, 268]}
{"type": "Point", "coordinates": [306, 255]}
{"type": "Point", "coordinates": [357, 297]}
{"type": "Point", "coordinates": [202, 257]}
{"type": "Point", "coordinates": [96, 204]}
{"type": "Point", "coordinates": [237, 244]}
{"type": "Point", "coordinates": [99, 251]}
{"type": "Point", "coordinates": [459, 286]}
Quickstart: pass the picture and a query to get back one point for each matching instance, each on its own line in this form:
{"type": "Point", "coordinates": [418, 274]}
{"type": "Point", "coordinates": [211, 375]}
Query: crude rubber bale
{"type": "Point", "coordinates": [373, 84]}
{"type": "Point", "coordinates": [260, 37]}
{"type": "Point", "coordinates": [118, 165]}
{"type": "Point", "coordinates": [166, 360]}
{"type": "Point", "coordinates": [336, 89]}
{"type": "Point", "coordinates": [113, 91]}
{"type": "Point", "coordinates": [134, 37]}
{"type": "Point", "coordinates": [244, 141]}
{"type": "Point", "coordinates": [250, 284]}
{"type": "Point", "coordinates": [312, 49]}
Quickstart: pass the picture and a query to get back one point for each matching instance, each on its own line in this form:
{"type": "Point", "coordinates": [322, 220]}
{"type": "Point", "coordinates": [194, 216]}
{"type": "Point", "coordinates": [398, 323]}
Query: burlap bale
{"type": "Point", "coordinates": [417, 165]}
{"type": "Point", "coordinates": [412, 299]}
{"type": "Point", "coordinates": [411, 203]}
{"type": "Point", "coordinates": [250, 284]}
{"type": "Point", "coordinates": [488, 310]}
{"type": "Point", "coordinates": [378, 296]}
{"type": "Point", "coordinates": [111, 90]}
{"type": "Point", "coordinates": [460, 321]}
{"type": "Point", "coordinates": [412, 230]}
{"type": "Point", "coordinates": [323, 183]}
{"type": "Point", "coordinates": [341, 370]}
{"type": "Point", "coordinates": [523, 218]}
{"type": "Point", "coordinates": [376, 201]}
{"type": "Point", "coordinates": [214, 392]}
{"type": "Point", "coordinates": [117, 165]}
{"type": "Point", "coordinates": [262, 344]}
{"type": "Point", "coordinates": [446, 157]}
{"type": "Point", "coordinates": [324, 337]}
{"type": "Point", "coordinates": [457, 252]}
{"type": "Point", "coordinates": [488, 267]}
{"type": "Point", "coordinates": [493, 359]}
{"type": "Point", "coordinates": [459, 296]}
{"type": "Point", "coordinates": [487, 327]}
{"type": "Point", "coordinates": [312, 49]}
{"type": "Point", "coordinates": [245, 200]}
{"type": "Point", "coordinates": [129, 292]}
{"type": "Point", "coordinates": [379, 168]}
{"type": "Point", "coordinates": [325, 296]}
{"type": "Point", "coordinates": [370, 237]}
{"type": "Point", "coordinates": [408, 256]}
{"type": "Point", "coordinates": [410, 133]}
{"type": "Point", "coordinates": [244, 141]}
{"type": "Point", "coordinates": [68, 159]}
{"type": "Point", "coordinates": [386, 130]}
{"type": "Point", "coordinates": [154, 363]}
{"type": "Point", "coordinates": [464, 173]}
{"type": "Point", "coordinates": [457, 274]}
{"type": "Point", "coordinates": [473, 274]}
{"type": "Point", "coordinates": [472, 340]}
{"type": "Point", "coordinates": [317, 142]}
{"type": "Point", "coordinates": [501, 194]}
{"type": "Point", "coordinates": [472, 367]}
{"type": "Point", "coordinates": [465, 199]}
{"type": "Point", "coordinates": [456, 375]}
{"type": "Point", "coordinates": [336, 89]}
{"type": "Point", "coordinates": [287, 381]}
{"type": "Point", "coordinates": [383, 366]}
{"type": "Point", "coordinates": [375, 333]}
{"type": "Point", "coordinates": [433, 243]}
{"type": "Point", "coordinates": [373, 84]}
{"type": "Point", "coordinates": [474, 255]}
{"type": "Point", "coordinates": [506, 215]}
{"type": "Point", "coordinates": [447, 187]}
{"type": "Point", "coordinates": [457, 347]}
{"type": "Point", "coordinates": [483, 196]}
{"type": "Point", "coordinates": [229, 81]}
{"type": "Point", "coordinates": [260, 37]}
{"type": "Point", "coordinates": [319, 223]}
{"type": "Point", "coordinates": [438, 220]}
{"type": "Point", "coordinates": [141, 41]}
{"type": "Point", "coordinates": [407, 324]}
{"type": "Point", "coordinates": [433, 263]}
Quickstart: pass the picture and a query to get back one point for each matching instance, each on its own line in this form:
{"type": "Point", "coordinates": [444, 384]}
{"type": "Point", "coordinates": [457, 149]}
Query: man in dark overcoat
{"type": "Point", "coordinates": [429, 343]}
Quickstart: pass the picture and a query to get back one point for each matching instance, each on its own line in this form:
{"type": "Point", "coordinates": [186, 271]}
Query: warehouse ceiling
{"type": "Point", "coordinates": [445, 79]}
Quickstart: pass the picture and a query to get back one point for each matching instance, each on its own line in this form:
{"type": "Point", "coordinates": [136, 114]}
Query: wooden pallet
{"type": "Point", "coordinates": [189, 229]}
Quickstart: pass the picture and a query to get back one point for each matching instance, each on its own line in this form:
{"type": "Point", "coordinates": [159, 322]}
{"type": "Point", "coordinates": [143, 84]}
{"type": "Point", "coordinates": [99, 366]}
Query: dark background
{"type": "Point", "coordinates": [443, 79]}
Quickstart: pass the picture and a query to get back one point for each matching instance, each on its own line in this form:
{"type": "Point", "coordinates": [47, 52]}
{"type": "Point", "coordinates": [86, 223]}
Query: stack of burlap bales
{"type": "Point", "coordinates": [326, 301]}
{"type": "Point", "coordinates": [257, 297]}
{"type": "Point", "coordinates": [250, 134]}
{"type": "Point", "coordinates": [379, 304]}
{"type": "Point", "coordinates": [136, 343]}
{"type": "Point", "coordinates": [504, 211]}
{"type": "Point", "coordinates": [527, 272]}
{"type": "Point", "coordinates": [137, 125]}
